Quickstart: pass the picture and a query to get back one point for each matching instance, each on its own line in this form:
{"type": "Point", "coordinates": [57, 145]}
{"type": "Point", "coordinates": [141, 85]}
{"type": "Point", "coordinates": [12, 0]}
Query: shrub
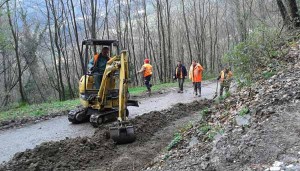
{"type": "Point", "coordinates": [244, 111]}
{"type": "Point", "coordinates": [255, 52]}
{"type": "Point", "coordinates": [177, 138]}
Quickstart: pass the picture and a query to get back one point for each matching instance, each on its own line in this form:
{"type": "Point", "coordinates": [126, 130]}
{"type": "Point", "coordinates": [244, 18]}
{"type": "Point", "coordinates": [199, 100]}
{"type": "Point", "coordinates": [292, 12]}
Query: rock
{"type": "Point", "coordinates": [277, 164]}
{"type": "Point", "coordinates": [193, 142]}
{"type": "Point", "coordinates": [242, 120]}
{"type": "Point", "coordinates": [289, 166]}
{"type": "Point", "coordinates": [275, 168]}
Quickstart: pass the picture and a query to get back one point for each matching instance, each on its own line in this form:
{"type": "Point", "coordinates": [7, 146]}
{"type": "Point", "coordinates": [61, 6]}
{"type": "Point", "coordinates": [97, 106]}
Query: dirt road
{"type": "Point", "coordinates": [17, 140]}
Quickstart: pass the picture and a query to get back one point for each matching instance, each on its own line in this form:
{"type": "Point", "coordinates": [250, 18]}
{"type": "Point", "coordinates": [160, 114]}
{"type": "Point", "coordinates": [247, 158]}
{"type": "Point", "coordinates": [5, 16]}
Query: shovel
{"type": "Point", "coordinates": [216, 94]}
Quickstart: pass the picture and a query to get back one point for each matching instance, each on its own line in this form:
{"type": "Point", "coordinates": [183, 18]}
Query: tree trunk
{"type": "Point", "coordinates": [187, 31]}
{"type": "Point", "coordinates": [294, 13]}
{"type": "Point", "coordinates": [16, 48]}
{"type": "Point", "coordinates": [284, 14]}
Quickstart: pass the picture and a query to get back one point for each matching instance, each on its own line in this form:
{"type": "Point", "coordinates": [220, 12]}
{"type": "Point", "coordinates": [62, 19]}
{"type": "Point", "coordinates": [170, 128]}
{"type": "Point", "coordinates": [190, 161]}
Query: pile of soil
{"type": "Point", "coordinates": [97, 152]}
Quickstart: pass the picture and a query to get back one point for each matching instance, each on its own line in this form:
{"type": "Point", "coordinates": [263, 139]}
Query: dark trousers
{"type": "Point", "coordinates": [224, 86]}
{"type": "Point", "coordinates": [147, 82]}
{"type": "Point", "coordinates": [180, 83]}
{"type": "Point", "coordinates": [197, 86]}
{"type": "Point", "coordinates": [98, 80]}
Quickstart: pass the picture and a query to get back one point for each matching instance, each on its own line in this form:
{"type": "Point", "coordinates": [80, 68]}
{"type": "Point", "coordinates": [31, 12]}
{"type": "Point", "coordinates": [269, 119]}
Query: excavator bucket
{"type": "Point", "coordinates": [122, 134]}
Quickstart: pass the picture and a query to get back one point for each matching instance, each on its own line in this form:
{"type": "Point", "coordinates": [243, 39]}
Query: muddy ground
{"type": "Point", "coordinates": [98, 153]}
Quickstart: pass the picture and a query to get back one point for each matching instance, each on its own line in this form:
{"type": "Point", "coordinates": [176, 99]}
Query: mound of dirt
{"type": "Point", "coordinates": [97, 152]}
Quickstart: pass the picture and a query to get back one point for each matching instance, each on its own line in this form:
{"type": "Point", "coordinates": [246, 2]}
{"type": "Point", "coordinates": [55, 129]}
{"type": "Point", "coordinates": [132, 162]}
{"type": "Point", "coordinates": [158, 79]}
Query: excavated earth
{"type": "Point", "coordinates": [154, 131]}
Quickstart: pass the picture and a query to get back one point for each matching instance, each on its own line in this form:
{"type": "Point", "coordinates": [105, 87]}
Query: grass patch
{"type": "Point", "coordinates": [177, 138]}
{"type": "Point", "coordinates": [244, 111]}
{"type": "Point", "coordinates": [268, 74]}
{"type": "Point", "coordinates": [204, 112]}
{"type": "Point", "coordinates": [213, 132]}
{"type": "Point", "coordinates": [223, 97]}
{"type": "Point", "coordinates": [166, 156]}
{"type": "Point", "coordinates": [204, 128]}
{"type": "Point", "coordinates": [157, 87]}
{"type": "Point", "coordinates": [209, 76]}
{"type": "Point", "coordinates": [38, 109]}
{"type": "Point", "coordinates": [141, 89]}
{"type": "Point", "coordinates": [186, 127]}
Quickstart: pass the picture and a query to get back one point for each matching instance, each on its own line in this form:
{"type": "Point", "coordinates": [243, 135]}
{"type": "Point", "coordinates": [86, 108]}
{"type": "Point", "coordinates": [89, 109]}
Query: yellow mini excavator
{"type": "Point", "coordinates": [110, 101]}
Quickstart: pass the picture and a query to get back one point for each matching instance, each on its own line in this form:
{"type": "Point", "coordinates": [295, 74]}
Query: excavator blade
{"type": "Point", "coordinates": [122, 134]}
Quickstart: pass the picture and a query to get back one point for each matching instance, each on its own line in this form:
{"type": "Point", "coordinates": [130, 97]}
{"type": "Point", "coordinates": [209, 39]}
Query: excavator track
{"type": "Point", "coordinates": [78, 115]}
{"type": "Point", "coordinates": [97, 119]}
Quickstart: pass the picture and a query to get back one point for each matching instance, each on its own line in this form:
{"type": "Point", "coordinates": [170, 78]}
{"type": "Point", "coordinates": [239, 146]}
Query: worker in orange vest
{"type": "Point", "coordinates": [225, 78]}
{"type": "Point", "coordinates": [147, 73]}
{"type": "Point", "coordinates": [195, 74]}
{"type": "Point", "coordinates": [97, 65]}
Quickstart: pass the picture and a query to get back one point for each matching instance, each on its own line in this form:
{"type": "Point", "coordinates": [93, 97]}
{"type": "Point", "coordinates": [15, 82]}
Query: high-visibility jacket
{"type": "Point", "coordinates": [180, 72]}
{"type": "Point", "coordinates": [224, 76]}
{"type": "Point", "coordinates": [148, 70]}
{"type": "Point", "coordinates": [195, 73]}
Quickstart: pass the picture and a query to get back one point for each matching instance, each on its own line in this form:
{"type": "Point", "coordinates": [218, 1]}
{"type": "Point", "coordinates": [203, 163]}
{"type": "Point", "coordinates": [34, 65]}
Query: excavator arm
{"type": "Point", "coordinates": [110, 101]}
{"type": "Point", "coordinates": [124, 132]}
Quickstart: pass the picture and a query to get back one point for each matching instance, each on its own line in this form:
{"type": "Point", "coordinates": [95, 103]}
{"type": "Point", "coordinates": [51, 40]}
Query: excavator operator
{"type": "Point", "coordinates": [97, 65]}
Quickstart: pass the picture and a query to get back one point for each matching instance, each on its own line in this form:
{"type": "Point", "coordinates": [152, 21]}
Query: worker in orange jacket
{"type": "Point", "coordinates": [97, 65]}
{"type": "Point", "coordinates": [195, 74]}
{"type": "Point", "coordinates": [225, 78]}
{"type": "Point", "coordinates": [147, 73]}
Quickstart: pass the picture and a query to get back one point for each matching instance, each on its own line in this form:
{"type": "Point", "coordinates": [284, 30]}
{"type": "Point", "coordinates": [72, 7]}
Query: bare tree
{"type": "Point", "coordinates": [15, 34]}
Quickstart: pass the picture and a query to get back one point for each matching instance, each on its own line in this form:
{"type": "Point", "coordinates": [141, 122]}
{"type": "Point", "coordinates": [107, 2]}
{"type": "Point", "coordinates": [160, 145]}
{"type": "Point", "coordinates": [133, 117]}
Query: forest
{"type": "Point", "coordinates": [40, 41]}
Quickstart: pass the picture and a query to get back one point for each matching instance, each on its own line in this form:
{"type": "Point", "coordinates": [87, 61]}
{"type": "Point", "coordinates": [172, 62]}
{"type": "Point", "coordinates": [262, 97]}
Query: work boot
{"type": "Point", "coordinates": [199, 95]}
{"type": "Point", "coordinates": [178, 91]}
{"type": "Point", "coordinates": [149, 93]}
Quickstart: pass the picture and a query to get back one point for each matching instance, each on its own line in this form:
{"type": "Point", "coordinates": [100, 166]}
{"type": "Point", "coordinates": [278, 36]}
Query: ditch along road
{"type": "Point", "coordinates": [19, 139]}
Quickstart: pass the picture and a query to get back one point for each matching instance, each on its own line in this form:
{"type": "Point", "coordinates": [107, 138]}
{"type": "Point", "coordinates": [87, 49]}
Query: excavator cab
{"type": "Point", "coordinates": [108, 102]}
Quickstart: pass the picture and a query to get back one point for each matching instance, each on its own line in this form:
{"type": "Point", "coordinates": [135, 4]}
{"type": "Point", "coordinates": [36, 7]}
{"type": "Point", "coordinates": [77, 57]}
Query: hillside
{"type": "Point", "coordinates": [252, 131]}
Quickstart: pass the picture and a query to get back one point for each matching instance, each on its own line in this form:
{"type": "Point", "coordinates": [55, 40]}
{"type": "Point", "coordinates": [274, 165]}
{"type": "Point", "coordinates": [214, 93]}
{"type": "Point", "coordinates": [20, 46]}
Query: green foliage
{"type": "Point", "coordinates": [256, 52]}
{"type": "Point", "coordinates": [204, 128]}
{"type": "Point", "coordinates": [223, 97]}
{"type": "Point", "coordinates": [244, 111]}
{"type": "Point", "coordinates": [209, 76]}
{"type": "Point", "coordinates": [211, 135]}
{"type": "Point", "coordinates": [177, 138]}
{"type": "Point", "coordinates": [186, 127]}
{"type": "Point", "coordinates": [268, 74]}
{"type": "Point", "coordinates": [25, 110]}
{"type": "Point", "coordinates": [166, 156]}
{"type": "Point", "coordinates": [214, 131]}
{"type": "Point", "coordinates": [204, 112]}
{"type": "Point", "coordinates": [157, 87]}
